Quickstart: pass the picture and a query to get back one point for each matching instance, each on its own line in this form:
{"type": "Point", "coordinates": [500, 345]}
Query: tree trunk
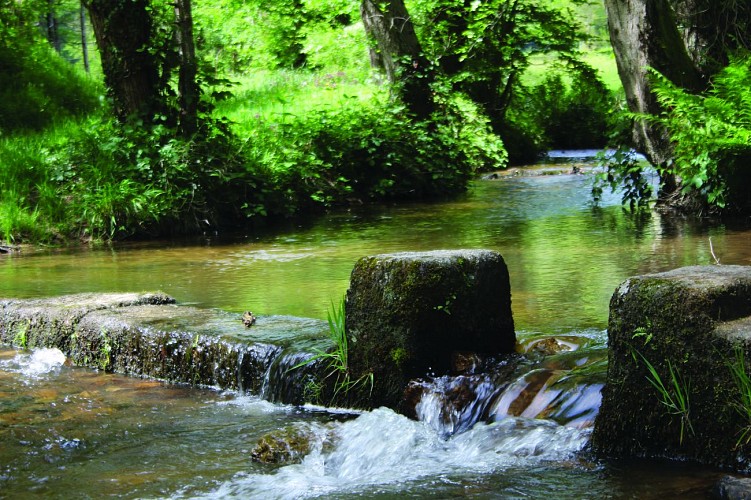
{"type": "Point", "coordinates": [188, 90]}
{"type": "Point", "coordinates": [52, 24]}
{"type": "Point", "coordinates": [644, 34]}
{"type": "Point", "coordinates": [123, 32]}
{"type": "Point", "coordinates": [84, 42]}
{"type": "Point", "coordinates": [400, 54]}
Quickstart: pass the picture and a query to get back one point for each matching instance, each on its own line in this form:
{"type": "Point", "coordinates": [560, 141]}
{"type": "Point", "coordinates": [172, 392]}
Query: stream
{"type": "Point", "coordinates": [72, 432]}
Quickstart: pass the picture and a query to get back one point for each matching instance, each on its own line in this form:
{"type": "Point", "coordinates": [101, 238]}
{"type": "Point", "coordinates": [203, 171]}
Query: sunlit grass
{"type": "Point", "coordinates": [601, 60]}
{"type": "Point", "coordinates": [281, 96]}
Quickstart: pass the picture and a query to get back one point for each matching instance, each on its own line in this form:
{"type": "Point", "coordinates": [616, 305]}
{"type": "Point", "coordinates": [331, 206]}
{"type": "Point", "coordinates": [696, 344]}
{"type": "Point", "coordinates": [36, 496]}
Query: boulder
{"type": "Point", "coordinates": [685, 329]}
{"type": "Point", "coordinates": [408, 314]}
{"type": "Point", "coordinates": [289, 445]}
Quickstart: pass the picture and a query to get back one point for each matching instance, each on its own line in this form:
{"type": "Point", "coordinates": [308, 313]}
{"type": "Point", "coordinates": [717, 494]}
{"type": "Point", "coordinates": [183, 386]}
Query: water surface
{"type": "Point", "coordinates": [68, 432]}
{"type": "Point", "coordinates": [565, 256]}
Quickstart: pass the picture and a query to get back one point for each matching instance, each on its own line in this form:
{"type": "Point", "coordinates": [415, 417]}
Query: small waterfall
{"type": "Point", "coordinates": [382, 452]}
{"type": "Point", "coordinates": [451, 405]}
{"type": "Point", "coordinates": [528, 396]}
{"type": "Point", "coordinates": [290, 378]}
{"type": "Point", "coordinates": [558, 378]}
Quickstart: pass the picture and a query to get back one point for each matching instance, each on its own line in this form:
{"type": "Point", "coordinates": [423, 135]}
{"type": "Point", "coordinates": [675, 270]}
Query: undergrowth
{"type": "Point", "coordinates": [96, 179]}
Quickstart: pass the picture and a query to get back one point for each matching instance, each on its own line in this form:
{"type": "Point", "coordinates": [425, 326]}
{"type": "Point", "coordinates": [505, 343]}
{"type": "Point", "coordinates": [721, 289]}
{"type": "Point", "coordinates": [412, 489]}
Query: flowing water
{"type": "Point", "coordinates": [519, 432]}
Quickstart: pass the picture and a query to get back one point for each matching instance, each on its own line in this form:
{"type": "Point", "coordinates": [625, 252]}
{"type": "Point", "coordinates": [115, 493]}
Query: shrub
{"type": "Point", "coordinates": [370, 152]}
{"type": "Point", "coordinates": [712, 136]}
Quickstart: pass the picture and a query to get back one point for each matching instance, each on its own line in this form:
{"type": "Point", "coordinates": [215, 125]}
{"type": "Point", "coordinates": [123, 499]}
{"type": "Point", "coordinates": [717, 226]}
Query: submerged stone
{"type": "Point", "coordinates": [684, 331]}
{"type": "Point", "coordinates": [408, 314]}
{"type": "Point", "coordinates": [289, 445]}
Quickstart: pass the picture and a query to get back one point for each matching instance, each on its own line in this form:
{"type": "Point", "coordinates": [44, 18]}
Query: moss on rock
{"type": "Point", "coordinates": [407, 313]}
{"type": "Point", "coordinates": [688, 324]}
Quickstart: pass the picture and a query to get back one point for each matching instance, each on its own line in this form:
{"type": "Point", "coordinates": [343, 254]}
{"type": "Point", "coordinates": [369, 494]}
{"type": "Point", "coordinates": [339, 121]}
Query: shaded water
{"type": "Point", "coordinates": [65, 430]}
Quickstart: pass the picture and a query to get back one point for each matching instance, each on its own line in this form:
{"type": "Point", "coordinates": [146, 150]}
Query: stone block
{"type": "Point", "coordinates": [407, 314]}
{"type": "Point", "coordinates": [691, 325]}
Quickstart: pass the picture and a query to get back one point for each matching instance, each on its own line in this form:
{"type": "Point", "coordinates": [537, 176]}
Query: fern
{"type": "Point", "coordinates": [710, 132]}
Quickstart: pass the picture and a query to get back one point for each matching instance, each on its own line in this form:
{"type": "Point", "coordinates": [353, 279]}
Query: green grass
{"type": "Point", "coordinates": [743, 383]}
{"type": "Point", "coordinates": [674, 395]}
{"type": "Point", "coordinates": [27, 195]}
{"type": "Point", "coordinates": [279, 97]}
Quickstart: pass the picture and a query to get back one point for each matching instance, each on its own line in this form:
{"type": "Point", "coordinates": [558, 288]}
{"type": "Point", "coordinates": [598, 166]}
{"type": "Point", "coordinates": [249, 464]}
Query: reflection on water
{"type": "Point", "coordinates": [564, 256]}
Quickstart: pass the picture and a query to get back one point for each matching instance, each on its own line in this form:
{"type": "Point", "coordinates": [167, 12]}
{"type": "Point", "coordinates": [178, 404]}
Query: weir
{"type": "Point", "coordinates": [149, 335]}
{"type": "Point", "coordinates": [443, 318]}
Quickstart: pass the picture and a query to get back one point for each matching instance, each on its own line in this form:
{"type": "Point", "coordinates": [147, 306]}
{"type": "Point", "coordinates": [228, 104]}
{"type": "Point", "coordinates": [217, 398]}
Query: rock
{"type": "Point", "coordinates": [249, 319]}
{"type": "Point", "coordinates": [465, 362]}
{"type": "Point", "coordinates": [732, 488]}
{"type": "Point", "coordinates": [285, 446]}
{"type": "Point", "coordinates": [692, 321]}
{"type": "Point", "coordinates": [408, 313]}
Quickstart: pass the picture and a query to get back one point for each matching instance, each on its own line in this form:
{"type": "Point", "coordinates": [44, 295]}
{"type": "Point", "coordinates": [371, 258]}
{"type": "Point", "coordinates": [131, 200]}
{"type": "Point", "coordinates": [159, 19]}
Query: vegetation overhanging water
{"type": "Point", "coordinates": [63, 427]}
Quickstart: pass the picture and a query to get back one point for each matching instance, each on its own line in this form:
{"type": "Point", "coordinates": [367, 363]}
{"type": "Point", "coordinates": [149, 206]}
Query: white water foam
{"type": "Point", "coordinates": [35, 364]}
{"type": "Point", "coordinates": [384, 448]}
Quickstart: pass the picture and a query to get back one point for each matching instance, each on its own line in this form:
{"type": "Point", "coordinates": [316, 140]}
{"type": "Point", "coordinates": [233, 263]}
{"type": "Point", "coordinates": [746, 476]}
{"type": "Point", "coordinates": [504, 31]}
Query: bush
{"type": "Point", "coordinates": [369, 152]}
{"type": "Point", "coordinates": [712, 136]}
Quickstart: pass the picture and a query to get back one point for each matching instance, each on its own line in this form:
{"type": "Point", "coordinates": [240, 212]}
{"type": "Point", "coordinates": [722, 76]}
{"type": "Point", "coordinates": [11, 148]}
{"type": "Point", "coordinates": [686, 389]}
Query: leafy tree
{"type": "Point", "coordinates": [686, 41]}
{"type": "Point", "coordinates": [483, 48]}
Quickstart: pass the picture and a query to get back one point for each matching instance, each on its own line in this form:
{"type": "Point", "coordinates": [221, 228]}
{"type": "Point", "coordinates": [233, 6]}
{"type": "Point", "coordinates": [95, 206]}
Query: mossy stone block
{"type": "Point", "coordinates": [690, 324]}
{"type": "Point", "coordinates": [407, 313]}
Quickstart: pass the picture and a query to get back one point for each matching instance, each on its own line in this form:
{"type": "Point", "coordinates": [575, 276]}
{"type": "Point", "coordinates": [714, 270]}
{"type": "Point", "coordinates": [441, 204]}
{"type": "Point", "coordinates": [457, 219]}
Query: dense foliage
{"type": "Point", "coordinates": [309, 124]}
{"type": "Point", "coordinates": [682, 69]}
{"type": "Point", "coordinates": [712, 136]}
